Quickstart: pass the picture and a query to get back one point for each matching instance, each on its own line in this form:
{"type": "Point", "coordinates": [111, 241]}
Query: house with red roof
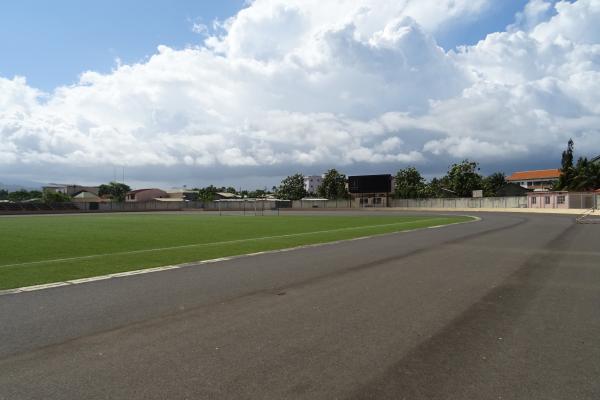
{"type": "Point", "coordinates": [543, 179]}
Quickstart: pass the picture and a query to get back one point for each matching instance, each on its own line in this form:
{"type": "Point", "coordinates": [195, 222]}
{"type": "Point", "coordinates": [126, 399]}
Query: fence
{"type": "Point", "coordinates": [142, 206]}
{"type": "Point", "coordinates": [583, 201]}
{"type": "Point", "coordinates": [305, 204]}
{"type": "Point", "coordinates": [224, 205]}
{"type": "Point", "coordinates": [484, 202]}
{"type": "Point", "coordinates": [578, 200]}
{"type": "Point", "coordinates": [35, 207]}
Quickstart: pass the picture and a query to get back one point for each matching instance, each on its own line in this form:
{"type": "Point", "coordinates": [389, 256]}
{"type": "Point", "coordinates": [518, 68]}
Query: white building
{"type": "Point", "coordinates": [70, 190]}
{"type": "Point", "coordinates": [543, 179]}
{"type": "Point", "coordinates": [312, 183]}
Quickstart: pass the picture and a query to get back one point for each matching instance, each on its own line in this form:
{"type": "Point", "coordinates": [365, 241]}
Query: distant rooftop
{"type": "Point", "coordinates": [141, 190]}
{"type": "Point", "coordinates": [227, 195]}
{"type": "Point", "coordinates": [536, 174]}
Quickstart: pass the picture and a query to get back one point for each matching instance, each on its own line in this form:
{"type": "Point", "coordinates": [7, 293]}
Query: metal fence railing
{"type": "Point", "coordinates": [485, 202]}
{"type": "Point", "coordinates": [576, 201]}
{"type": "Point", "coordinates": [583, 201]}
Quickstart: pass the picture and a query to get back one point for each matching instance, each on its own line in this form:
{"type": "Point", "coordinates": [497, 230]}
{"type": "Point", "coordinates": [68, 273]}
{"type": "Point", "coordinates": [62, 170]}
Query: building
{"type": "Point", "coordinates": [70, 190]}
{"type": "Point", "coordinates": [88, 200]}
{"type": "Point", "coordinates": [511, 189]}
{"type": "Point", "coordinates": [370, 190]}
{"type": "Point", "coordinates": [562, 199]}
{"type": "Point", "coordinates": [87, 197]}
{"type": "Point", "coordinates": [142, 195]}
{"type": "Point", "coordinates": [312, 183]}
{"type": "Point", "coordinates": [226, 196]}
{"type": "Point", "coordinates": [182, 194]}
{"type": "Point", "coordinates": [543, 179]}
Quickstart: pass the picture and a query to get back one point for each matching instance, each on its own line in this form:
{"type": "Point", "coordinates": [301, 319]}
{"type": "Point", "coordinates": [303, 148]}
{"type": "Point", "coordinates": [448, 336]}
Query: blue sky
{"type": "Point", "coordinates": [52, 42]}
{"type": "Point", "coordinates": [499, 15]}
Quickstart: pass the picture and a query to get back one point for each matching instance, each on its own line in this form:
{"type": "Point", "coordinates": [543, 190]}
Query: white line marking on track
{"type": "Point", "coordinates": [212, 261]}
{"type": "Point", "coordinates": [124, 253]}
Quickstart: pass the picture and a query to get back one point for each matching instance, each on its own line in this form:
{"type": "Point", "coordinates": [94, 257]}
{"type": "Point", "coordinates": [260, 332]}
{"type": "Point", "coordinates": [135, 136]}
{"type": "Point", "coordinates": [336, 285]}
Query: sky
{"type": "Point", "coordinates": [244, 93]}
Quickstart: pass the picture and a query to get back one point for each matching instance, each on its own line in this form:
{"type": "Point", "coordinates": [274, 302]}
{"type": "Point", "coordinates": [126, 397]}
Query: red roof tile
{"type": "Point", "coordinates": [531, 175]}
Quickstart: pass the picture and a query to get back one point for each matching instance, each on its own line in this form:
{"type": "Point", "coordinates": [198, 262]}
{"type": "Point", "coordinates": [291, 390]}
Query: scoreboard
{"type": "Point", "coordinates": [370, 184]}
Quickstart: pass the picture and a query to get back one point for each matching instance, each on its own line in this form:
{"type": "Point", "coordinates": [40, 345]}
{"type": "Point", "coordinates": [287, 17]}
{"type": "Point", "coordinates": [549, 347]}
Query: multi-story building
{"type": "Point", "coordinates": [312, 183]}
{"type": "Point", "coordinates": [70, 190]}
{"type": "Point", "coordinates": [543, 179]}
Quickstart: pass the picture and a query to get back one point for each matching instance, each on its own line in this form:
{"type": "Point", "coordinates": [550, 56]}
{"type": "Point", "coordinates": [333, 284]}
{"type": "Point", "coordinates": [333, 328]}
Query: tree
{"type": "Point", "coordinates": [208, 193]}
{"type": "Point", "coordinates": [463, 178]}
{"type": "Point", "coordinates": [117, 191]}
{"type": "Point", "coordinates": [586, 175]}
{"type": "Point", "coordinates": [436, 188]}
{"type": "Point", "coordinates": [292, 188]}
{"type": "Point", "coordinates": [55, 197]}
{"type": "Point", "coordinates": [409, 184]}
{"type": "Point", "coordinates": [493, 183]}
{"type": "Point", "coordinates": [333, 186]}
{"type": "Point", "coordinates": [3, 194]}
{"type": "Point", "coordinates": [567, 172]}
{"type": "Point", "coordinates": [257, 194]}
{"type": "Point", "coordinates": [23, 195]}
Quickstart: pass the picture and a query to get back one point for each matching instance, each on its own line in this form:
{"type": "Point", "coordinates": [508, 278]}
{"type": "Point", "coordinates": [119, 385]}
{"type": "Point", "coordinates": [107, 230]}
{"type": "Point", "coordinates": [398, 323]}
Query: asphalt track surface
{"type": "Point", "coordinates": [504, 308]}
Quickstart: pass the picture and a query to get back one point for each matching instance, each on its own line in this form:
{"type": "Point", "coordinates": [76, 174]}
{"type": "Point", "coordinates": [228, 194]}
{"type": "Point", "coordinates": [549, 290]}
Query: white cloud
{"type": "Point", "coordinates": [300, 83]}
{"type": "Point", "coordinates": [200, 28]}
{"type": "Point", "coordinates": [535, 12]}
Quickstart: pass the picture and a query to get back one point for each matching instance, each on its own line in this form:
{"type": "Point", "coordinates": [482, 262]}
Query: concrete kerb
{"type": "Point", "coordinates": [497, 210]}
{"type": "Point", "coordinates": [563, 211]}
{"type": "Point", "coordinates": [213, 261]}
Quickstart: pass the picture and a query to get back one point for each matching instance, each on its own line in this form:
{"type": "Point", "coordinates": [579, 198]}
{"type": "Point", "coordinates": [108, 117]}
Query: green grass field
{"type": "Point", "coordinates": [43, 249]}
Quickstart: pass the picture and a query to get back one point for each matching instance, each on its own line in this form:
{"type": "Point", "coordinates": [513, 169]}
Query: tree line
{"type": "Point", "coordinates": [583, 175]}
{"type": "Point", "coordinates": [460, 181]}
{"type": "Point", "coordinates": [32, 195]}
{"type": "Point", "coordinates": [114, 190]}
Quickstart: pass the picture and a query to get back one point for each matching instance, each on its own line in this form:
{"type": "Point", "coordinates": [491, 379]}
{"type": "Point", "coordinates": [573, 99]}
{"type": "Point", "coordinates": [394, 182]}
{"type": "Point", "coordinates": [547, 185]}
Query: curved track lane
{"type": "Point", "coordinates": [506, 308]}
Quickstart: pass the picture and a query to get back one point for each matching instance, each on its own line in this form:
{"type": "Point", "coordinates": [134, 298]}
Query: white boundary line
{"type": "Point", "coordinates": [187, 246]}
{"type": "Point", "coordinates": [222, 259]}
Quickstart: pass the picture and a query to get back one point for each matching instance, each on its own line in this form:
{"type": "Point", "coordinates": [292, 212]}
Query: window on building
{"type": "Point", "coordinates": [377, 200]}
{"type": "Point", "coordinates": [547, 199]}
{"type": "Point", "coordinates": [561, 199]}
{"type": "Point", "coordinates": [534, 200]}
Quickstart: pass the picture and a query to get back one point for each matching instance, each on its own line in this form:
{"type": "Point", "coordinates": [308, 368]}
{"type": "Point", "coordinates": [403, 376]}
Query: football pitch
{"type": "Point", "coordinates": [45, 249]}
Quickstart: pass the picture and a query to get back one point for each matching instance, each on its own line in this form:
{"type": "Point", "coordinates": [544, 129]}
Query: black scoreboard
{"type": "Point", "coordinates": [370, 184]}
